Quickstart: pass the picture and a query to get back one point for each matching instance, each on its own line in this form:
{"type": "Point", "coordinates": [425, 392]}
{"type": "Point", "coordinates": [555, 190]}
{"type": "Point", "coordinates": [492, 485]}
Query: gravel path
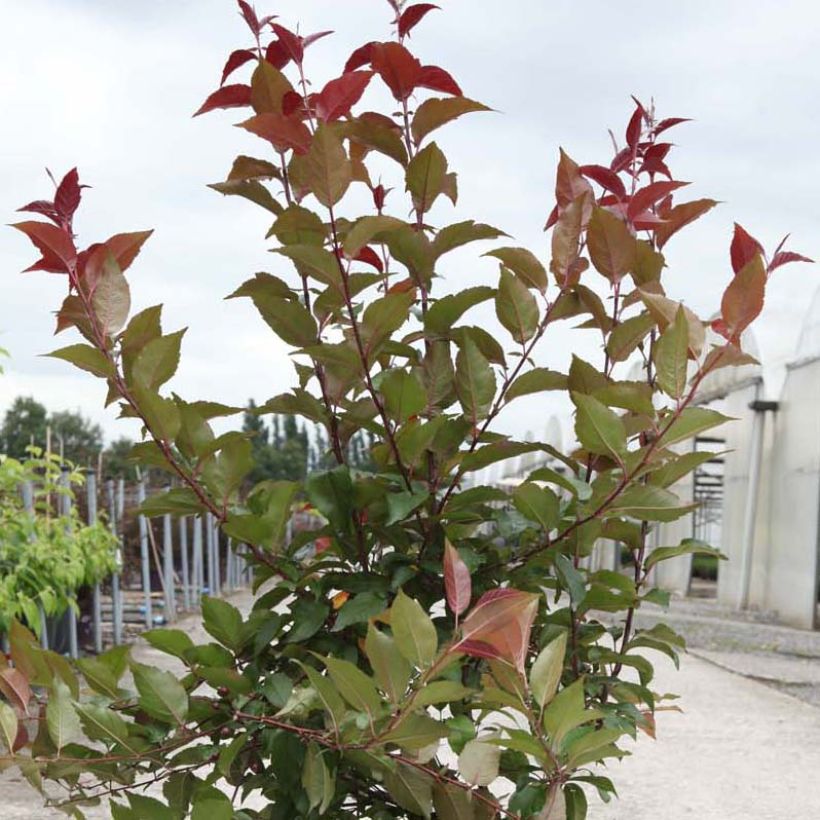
{"type": "Point", "coordinates": [742, 750]}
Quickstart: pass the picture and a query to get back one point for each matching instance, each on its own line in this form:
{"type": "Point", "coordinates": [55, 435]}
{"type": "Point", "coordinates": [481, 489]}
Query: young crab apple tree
{"type": "Point", "coordinates": [445, 650]}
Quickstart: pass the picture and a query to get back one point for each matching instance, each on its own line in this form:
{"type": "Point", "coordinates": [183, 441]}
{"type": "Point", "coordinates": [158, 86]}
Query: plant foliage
{"type": "Point", "coordinates": [446, 651]}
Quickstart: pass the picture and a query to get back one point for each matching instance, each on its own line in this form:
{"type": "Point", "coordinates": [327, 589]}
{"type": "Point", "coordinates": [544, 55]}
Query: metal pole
{"type": "Point", "coordinates": [217, 561]}
{"type": "Point", "coordinates": [65, 510]}
{"type": "Point", "coordinates": [145, 560]}
{"type": "Point", "coordinates": [209, 551]}
{"type": "Point", "coordinates": [183, 548]}
{"type": "Point", "coordinates": [197, 561]}
{"type": "Point", "coordinates": [27, 491]}
{"type": "Point", "coordinates": [91, 496]}
{"type": "Point", "coordinates": [230, 565]}
{"type": "Point", "coordinates": [168, 567]}
{"type": "Point", "coordinates": [750, 513]}
{"type": "Point", "coordinates": [116, 599]}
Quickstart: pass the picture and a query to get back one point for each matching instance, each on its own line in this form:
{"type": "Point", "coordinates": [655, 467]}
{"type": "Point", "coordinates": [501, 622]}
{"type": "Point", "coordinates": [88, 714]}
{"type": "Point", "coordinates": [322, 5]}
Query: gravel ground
{"type": "Point", "coordinates": [742, 749]}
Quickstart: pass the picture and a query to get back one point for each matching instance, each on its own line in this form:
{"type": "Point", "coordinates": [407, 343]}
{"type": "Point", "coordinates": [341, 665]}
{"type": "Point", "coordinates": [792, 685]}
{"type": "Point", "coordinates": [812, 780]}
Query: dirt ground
{"type": "Point", "coordinates": [741, 751]}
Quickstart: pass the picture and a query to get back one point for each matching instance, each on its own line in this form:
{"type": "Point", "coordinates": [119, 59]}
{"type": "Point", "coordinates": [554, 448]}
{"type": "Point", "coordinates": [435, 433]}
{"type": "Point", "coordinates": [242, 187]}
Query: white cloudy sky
{"type": "Point", "coordinates": [109, 85]}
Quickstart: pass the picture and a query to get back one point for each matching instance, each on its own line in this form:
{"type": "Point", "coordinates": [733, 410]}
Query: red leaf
{"type": "Point", "coordinates": [633, 129]}
{"type": "Point", "coordinates": [569, 183]}
{"type": "Point", "coordinates": [284, 132]}
{"type": "Point", "coordinates": [680, 216]}
{"type": "Point", "coordinates": [362, 56]}
{"type": "Point", "coordinates": [15, 687]}
{"type": "Point", "coordinates": [338, 96]}
{"type": "Point", "coordinates": [502, 620]}
{"type": "Point", "coordinates": [312, 38]}
{"type": "Point", "coordinates": [250, 17]}
{"type": "Point", "coordinates": [606, 178]}
{"type": "Point", "coordinates": [439, 80]}
{"type": "Point", "coordinates": [663, 125]}
{"type": "Point", "coordinates": [124, 247]}
{"type": "Point", "coordinates": [370, 257]}
{"type": "Point", "coordinates": [743, 300]}
{"type": "Point", "coordinates": [42, 207]}
{"type": "Point", "coordinates": [276, 54]}
{"type": "Point", "coordinates": [229, 96]}
{"type": "Point", "coordinates": [403, 286]}
{"type": "Point", "coordinates": [552, 218]}
{"type": "Point", "coordinates": [621, 160]}
{"type": "Point", "coordinates": [785, 257]}
{"type": "Point", "coordinates": [649, 196]}
{"type": "Point", "coordinates": [292, 43]}
{"type": "Point", "coordinates": [399, 69]}
{"type": "Point", "coordinates": [323, 544]}
{"type": "Point", "coordinates": [379, 195]}
{"type": "Point", "coordinates": [457, 582]}
{"type": "Point", "coordinates": [55, 244]}
{"type": "Point", "coordinates": [293, 103]}
{"type": "Point", "coordinates": [744, 247]}
{"type": "Point", "coordinates": [67, 198]}
{"type": "Point", "coordinates": [237, 59]}
{"type": "Point", "coordinates": [411, 16]}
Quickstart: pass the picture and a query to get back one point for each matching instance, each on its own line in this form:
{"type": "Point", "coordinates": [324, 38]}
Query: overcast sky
{"type": "Point", "coordinates": [109, 86]}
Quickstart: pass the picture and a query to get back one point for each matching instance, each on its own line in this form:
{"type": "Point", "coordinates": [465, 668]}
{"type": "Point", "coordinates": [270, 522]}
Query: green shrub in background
{"type": "Point", "coordinates": [45, 557]}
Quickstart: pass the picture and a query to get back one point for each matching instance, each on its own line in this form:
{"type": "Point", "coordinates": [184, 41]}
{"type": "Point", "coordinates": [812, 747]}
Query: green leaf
{"type": "Point", "coordinates": [452, 802]}
{"type": "Point", "coordinates": [251, 189]}
{"type": "Point", "coordinates": [312, 261]}
{"type": "Point", "coordinates": [547, 669]}
{"type": "Point", "coordinates": [571, 579]}
{"type": "Point", "coordinates": [369, 130]}
{"type": "Point", "coordinates": [475, 382]}
{"type": "Point", "coordinates": [403, 393]}
{"type": "Point", "coordinates": [434, 113]}
{"type": "Point", "coordinates": [366, 229]}
{"type": "Point", "coordinates": [536, 380]}
{"type": "Point", "coordinates": [442, 691]}
{"type": "Point", "coordinates": [353, 685]}
{"type": "Point", "coordinates": [598, 429]}
{"type": "Point", "coordinates": [445, 312]}
{"type": "Point", "coordinates": [566, 711]}
{"type": "Point", "coordinates": [691, 422]}
{"type": "Point", "coordinates": [689, 546]}
{"type": "Point", "coordinates": [516, 307]}
{"type": "Point", "coordinates": [416, 731]}
{"type": "Point", "coordinates": [268, 88]}
{"type": "Point", "coordinates": [298, 226]}
{"type": "Point", "coordinates": [288, 318]}
{"type": "Point", "coordinates": [539, 504]}
{"type": "Point", "coordinates": [86, 358]}
{"type": "Point", "coordinates": [648, 503]}
{"type": "Point", "coordinates": [326, 168]}
{"type": "Point", "coordinates": [524, 265]}
{"type": "Point", "coordinates": [359, 609]}
{"type": "Point", "coordinates": [160, 694]}
{"type": "Point", "coordinates": [317, 780]}
{"type": "Point", "coordinates": [478, 762]}
{"type": "Point", "coordinates": [308, 618]}
{"type": "Point", "coordinates": [413, 631]}
{"type": "Point", "coordinates": [8, 725]}
{"type": "Point", "coordinates": [400, 505]}
{"type": "Point", "coordinates": [332, 494]}
{"type": "Point", "coordinates": [411, 789]}
{"type": "Point", "coordinates": [611, 245]}
{"type": "Point", "coordinates": [671, 356]}
{"type": "Point", "coordinates": [177, 501]}
{"type": "Point", "coordinates": [223, 621]}
{"type": "Point", "coordinates": [158, 361]}
{"type": "Point", "coordinates": [161, 414]}
{"type": "Point", "coordinates": [170, 641]}
{"type": "Point", "coordinates": [626, 337]}
{"type": "Point", "coordinates": [101, 723]}
{"type": "Point", "coordinates": [382, 318]}
{"type": "Point", "coordinates": [426, 177]}
{"type": "Point", "coordinates": [327, 693]}
{"type": "Point", "coordinates": [391, 669]}
{"type": "Point", "coordinates": [461, 233]}
{"type": "Point", "coordinates": [496, 451]}
{"type": "Point", "coordinates": [148, 808]}
{"type": "Point", "coordinates": [210, 805]}
{"type": "Point", "coordinates": [61, 716]}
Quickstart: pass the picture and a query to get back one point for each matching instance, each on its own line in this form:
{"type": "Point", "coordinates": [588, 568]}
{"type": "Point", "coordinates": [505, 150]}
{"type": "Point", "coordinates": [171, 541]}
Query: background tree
{"type": "Point", "coordinates": [25, 423]}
